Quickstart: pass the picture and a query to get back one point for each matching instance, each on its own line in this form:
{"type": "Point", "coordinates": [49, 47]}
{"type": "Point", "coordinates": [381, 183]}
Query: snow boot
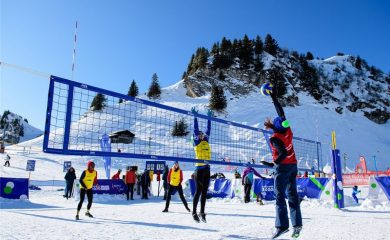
{"type": "Point", "coordinates": [296, 232]}
{"type": "Point", "coordinates": [203, 217]}
{"type": "Point", "coordinates": [279, 232]}
{"type": "Point", "coordinates": [196, 217]}
{"type": "Point", "coordinates": [77, 217]}
{"type": "Point", "coordinates": [165, 210]}
{"type": "Point", "coordinates": [88, 215]}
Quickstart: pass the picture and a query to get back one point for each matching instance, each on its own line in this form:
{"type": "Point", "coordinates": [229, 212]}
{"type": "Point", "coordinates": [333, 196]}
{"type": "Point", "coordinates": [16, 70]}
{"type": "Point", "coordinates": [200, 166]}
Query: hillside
{"type": "Point", "coordinates": [342, 83]}
{"type": "Point", "coordinates": [15, 128]}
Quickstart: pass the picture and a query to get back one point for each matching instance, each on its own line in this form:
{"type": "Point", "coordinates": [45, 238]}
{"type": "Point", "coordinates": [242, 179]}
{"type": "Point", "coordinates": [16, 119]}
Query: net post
{"type": "Point", "coordinates": [68, 118]}
{"type": "Point", "coordinates": [48, 114]}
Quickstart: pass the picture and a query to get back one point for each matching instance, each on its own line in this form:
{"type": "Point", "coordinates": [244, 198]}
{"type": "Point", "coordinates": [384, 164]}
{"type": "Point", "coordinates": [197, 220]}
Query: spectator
{"type": "Point", "coordinates": [247, 181]}
{"type": "Point", "coordinates": [117, 175]}
{"type": "Point", "coordinates": [165, 181]}
{"type": "Point", "coordinates": [355, 191]}
{"type": "Point", "coordinates": [70, 176]}
{"type": "Point", "coordinates": [6, 159]}
{"type": "Point", "coordinates": [145, 184]}
{"type": "Point", "coordinates": [131, 177]}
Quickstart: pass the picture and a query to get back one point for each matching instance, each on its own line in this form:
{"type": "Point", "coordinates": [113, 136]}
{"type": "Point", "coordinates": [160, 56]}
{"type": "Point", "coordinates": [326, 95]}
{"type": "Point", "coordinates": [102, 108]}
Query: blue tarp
{"type": "Point", "coordinates": [14, 188]}
{"type": "Point", "coordinates": [385, 185]}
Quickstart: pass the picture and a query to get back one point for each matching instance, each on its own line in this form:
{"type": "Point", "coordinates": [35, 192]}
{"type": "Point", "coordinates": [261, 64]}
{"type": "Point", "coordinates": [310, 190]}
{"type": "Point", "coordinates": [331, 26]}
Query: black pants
{"type": "Point", "coordinates": [69, 188]}
{"type": "Point", "coordinates": [145, 192]}
{"type": "Point", "coordinates": [130, 189]}
{"type": "Point", "coordinates": [7, 163]}
{"type": "Point", "coordinates": [202, 181]}
{"type": "Point", "coordinates": [179, 189]}
{"type": "Point", "coordinates": [166, 189]}
{"type": "Point", "coordinates": [82, 196]}
{"type": "Point", "coordinates": [247, 189]}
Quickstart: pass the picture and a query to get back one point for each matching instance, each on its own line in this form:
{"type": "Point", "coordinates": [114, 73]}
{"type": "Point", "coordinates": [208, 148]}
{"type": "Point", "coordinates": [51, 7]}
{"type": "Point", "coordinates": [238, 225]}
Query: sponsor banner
{"type": "Point", "coordinates": [14, 188]}
{"type": "Point", "coordinates": [108, 186]}
{"type": "Point", "coordinates": [350, 180]}
{"type": "Point", "coordinates": [223, 188]}
{"type": "Point", "coordinates": [218, 188]}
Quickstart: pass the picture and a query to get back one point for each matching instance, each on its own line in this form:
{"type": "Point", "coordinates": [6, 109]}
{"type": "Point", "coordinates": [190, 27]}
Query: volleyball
{"type": "Point", "coordinates": [266, 89]}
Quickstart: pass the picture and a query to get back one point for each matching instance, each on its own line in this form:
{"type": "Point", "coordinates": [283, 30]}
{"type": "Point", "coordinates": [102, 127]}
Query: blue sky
{"type": "Point", "coordinates": [123, 40]}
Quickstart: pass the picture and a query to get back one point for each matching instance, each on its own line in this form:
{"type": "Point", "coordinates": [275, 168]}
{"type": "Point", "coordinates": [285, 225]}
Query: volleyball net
{"type": "Point", "coordinates": [142, 129]}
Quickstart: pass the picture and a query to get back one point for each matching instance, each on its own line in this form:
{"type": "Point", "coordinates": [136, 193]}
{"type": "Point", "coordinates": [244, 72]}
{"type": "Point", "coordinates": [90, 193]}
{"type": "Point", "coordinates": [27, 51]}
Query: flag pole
{"type": "Point", "coordinates": [74, 49]}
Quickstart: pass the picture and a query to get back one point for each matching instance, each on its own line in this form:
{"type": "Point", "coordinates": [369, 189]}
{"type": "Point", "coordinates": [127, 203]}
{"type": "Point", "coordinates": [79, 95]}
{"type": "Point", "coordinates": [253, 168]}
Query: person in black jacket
{"type": "Point", "coordinates": [145, 184]}
{"type": "Point", "coordinates": [70, 176]}
{"type": "Point", "coordinates": [165, 181]}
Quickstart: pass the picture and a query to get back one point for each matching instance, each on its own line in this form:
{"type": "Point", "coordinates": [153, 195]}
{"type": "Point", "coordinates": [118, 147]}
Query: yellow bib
{"type": "Point", "coordinates": [175, 178]}
{"type": "Point", "coordinates": [88, 179]}
{"type": "Point", "coordinates": [203, 152]}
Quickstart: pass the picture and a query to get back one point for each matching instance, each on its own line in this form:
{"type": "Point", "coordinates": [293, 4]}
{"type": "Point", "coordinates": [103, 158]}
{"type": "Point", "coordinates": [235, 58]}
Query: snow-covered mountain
{"type": "Point", "coordinates": [15, 128]}
{"type": "Point", "coordinates": [342, 83]}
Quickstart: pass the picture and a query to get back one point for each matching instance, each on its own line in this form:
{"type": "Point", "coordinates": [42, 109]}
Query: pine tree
{"type": "Point", "coordinates": [358, 63]}
{"type": "Point", "coordinates": [258, 45]}
{"type": "Point", "coordinates": [275, 76]}
{"type": "Point", "coordinates": [180, 128]}
{"type": "Point", "coordinates": [25, 120]}
{"type": "Point", "coordinates": [246, 53]}
{"type": "Point", "coordinates": [309, 79]}
{"type": "Point", "coordinates": [184, 75]}
{"type": "Point", "coordinates": [218, 99]}
{"type": "Point", "coordinates": [154, 89]}
{"type": "Point", "coordinates": [215, 48]}
{"type": "Point", "coordinates": [271, 45]}
{"type": "Point", "coordinates": [133, 90]}
{"type": "Point", "coordinates": [21, 130]}
{"type": "Point", "coordinates": [98, 102]}
{"type": "Point", "coordinates": [309, 56]}
{"type": "Point", "coordinates": [221, 76]}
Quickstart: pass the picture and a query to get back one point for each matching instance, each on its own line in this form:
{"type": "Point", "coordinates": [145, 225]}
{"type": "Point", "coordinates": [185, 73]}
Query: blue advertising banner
{"type": "Point", "coordinates": [14, 188]}
{"type": "Point", "coordinates": [155, 166]}
{"type": "Point", "coordinates": [67, 165]}
{"type": "Point", "coordinates": [306, 187]}
{"type": "Point", "coordinates": [265, 188]}
{"type": "Point", "coordinates": [218, 188]}
{"type": "Point", "coordinates": [30, 165]}
{"type": "Point", "coordinates": [108, 186]}
{"type": "Point", "coordinates": [105, 145]}
{"type": "Point", "coordinates": [385, 184]}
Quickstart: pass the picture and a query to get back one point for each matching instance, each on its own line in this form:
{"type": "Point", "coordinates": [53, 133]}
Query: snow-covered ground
{"type": "Point", "coordinates": [49, 216]}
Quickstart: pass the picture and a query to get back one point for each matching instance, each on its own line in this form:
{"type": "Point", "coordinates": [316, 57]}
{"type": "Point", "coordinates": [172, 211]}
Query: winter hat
{"type": "Point", "coordinates": [176, 162]}
{"type": "Point", "coordinates": [280, 124]}
{"type": "Point", "coordinates": [90, 163]}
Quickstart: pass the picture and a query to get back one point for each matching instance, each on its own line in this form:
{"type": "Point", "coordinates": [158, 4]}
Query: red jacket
{"type": "Point", "coordinates": [286, 138]}
{"type": "Point", "coordinates": [116, 176]}
{"type": "Point", "coordinates": [130, 177]}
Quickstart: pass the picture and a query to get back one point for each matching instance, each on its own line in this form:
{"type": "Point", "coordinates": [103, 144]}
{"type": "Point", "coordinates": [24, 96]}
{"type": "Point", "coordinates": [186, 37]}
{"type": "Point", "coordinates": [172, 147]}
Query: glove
{"type": "Point", "coordinates": [193, 110]}
{"type": "Point", "coordinates": [209, 113]}
{"type": "Point", "coordinates": [267, 163]}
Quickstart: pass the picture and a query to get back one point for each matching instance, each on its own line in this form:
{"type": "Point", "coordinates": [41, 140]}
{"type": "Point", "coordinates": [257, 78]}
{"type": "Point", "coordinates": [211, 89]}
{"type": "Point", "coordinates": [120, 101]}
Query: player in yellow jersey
{"type": "Point", "coordinates": [87, 180]}
{"type": "Point", "coordinates": [202, 170]}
